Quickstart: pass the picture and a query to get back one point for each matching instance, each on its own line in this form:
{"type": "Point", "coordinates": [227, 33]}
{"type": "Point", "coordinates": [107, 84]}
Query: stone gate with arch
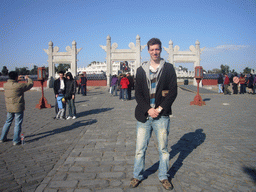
{"type": "Point", "coordinates": [191, 56]}
{"type": "Point", "coordinates": [56, 57]}
{"type": "Point", "coordinates": [113, 54]}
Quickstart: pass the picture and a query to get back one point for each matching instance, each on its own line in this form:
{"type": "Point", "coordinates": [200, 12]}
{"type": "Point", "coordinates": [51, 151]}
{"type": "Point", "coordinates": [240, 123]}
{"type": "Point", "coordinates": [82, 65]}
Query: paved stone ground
{"type": "Point", "coordinates": [212, 148]}
{"type": "Point", "coordinates": [202, 90]}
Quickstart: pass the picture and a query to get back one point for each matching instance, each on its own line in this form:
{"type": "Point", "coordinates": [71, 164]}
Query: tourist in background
{"type": "Point", "coordinates": [220, 83]}
{"type": "Point", "coordinates": [254, 85]}
{"type": "Point", "coordinates": [226, 85]}
{"type": "Point", "coordinates": [15, 105]}
{"type": "Point", "coordinates": [114, 85]}
{"type": "Point", "coordinates": [129, 90]}
{"type": "Point", "coordinates": [242, 84]}
{"type": "Point", "coordinates": [231, 78]}
{"type": "Point", "coordinates": [235, 84]}
{"type": "Point", "coordinates": [70, 95]}
{"type": "Point", "coordinates": [124, 86]}
{"type": "Point", "coordinates": [79, 84]}
{"type": "Point", "coordinates": [83, 82]}
{"type": "Point", "coordinates": [119, 86]}
{"type": "Point", "coordinates": [250, 84]}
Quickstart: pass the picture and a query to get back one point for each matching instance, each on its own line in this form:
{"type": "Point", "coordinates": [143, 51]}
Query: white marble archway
{"type": "Point", "coordinates": [55, 57]}
{"type": "Point", "coordinates": [113, 54]}
{"type": "Point", "coordinates": [191, 56]}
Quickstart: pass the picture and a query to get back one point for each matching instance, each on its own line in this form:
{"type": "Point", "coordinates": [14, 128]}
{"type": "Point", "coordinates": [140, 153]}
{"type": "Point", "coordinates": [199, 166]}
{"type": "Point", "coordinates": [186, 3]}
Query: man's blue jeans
{"type": "Point", "coordinates": [161, 127]}
{"type": "Point", "coordinates": [17, 128]}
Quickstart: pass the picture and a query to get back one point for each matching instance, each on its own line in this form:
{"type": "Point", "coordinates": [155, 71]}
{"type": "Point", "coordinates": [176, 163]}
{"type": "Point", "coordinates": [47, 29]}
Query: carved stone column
{"type": "Point", "coordinates": [197, 63]}
{"type": "Point", "coordinates": [138, 53]}
{"type": "Point", "coordinates": [51, 66]}
{"type": "Point", "coordinates": [108, 60]}
{"type": "Point", "coordinates": [74, 59]}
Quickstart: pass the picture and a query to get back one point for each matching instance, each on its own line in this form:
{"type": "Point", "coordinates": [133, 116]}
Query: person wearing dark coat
{"type": "Point", "coordinates": [155, 92]}
{"type": "Point", "coordinates": [70, 96]}
{"type": "Point", "coordinates": [235, 84]}
{"type": "Point", "coordinates": [250, 84]}
{"type": "Point", "coordinates": [129, 90]}
{"type": "Point", "coordinates": [220, 83]}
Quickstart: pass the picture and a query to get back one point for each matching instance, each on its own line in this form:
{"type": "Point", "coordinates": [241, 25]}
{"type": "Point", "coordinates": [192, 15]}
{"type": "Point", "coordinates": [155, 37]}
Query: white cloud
{"type": "Point", "coordinates": [220, 48]}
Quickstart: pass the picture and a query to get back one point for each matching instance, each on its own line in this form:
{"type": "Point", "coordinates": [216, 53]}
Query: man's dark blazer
{"type": "Point", "coordinates": [167, 81]}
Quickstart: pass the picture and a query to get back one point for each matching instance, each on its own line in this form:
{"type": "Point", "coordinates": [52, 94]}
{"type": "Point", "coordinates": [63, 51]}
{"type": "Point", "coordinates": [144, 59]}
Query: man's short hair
{"type": "Point", "coordinates": [61, 72]}
{"type": "Point", "coordinates": [154, 41]}
{"type": "Point", "coordinates": [13, 75]}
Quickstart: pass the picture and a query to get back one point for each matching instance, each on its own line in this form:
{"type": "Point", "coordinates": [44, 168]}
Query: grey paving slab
{"type": "Point", "coordinates": [202, 90]}
{"type": "Point", "coordinates": [212, 148]}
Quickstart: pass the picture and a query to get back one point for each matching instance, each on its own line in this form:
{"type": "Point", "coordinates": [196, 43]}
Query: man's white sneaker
{"type": "Point", "coordinates": [74, 117]}
{"type": "Point", "coordinates": [69, 117]}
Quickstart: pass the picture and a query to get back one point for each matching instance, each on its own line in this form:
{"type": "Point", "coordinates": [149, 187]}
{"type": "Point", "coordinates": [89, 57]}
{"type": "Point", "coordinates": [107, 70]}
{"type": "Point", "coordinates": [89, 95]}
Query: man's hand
{"type": "Point", "coordinates": [26, 77]}
{"type": "Point", "coordinates": [56, 95]}
{"type": "Point", "coordinates": [153, 113]}
{"type": "Point", "coordinates": [73, 96]}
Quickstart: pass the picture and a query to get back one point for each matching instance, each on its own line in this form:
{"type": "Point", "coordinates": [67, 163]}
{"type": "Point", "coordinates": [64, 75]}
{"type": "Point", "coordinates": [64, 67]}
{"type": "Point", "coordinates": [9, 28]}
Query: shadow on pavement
{"type": "Point", "coordinates": [95, 93]}
{"type": "Point", "coordinates": [93, 111]}
{"type": "Point", "coordinates": [81, 101]}
{"type": "Point", "coordinates": [187, 143]}
{"type": "Point", "coordinates": [60, 130]}
{"type": "Point", "coordinates": [251, 172]}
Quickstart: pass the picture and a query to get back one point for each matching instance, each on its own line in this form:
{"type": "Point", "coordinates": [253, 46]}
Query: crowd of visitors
{"type": "Point", "coordinates": [124, 83]}
{"type": "Point", "coordinates": [245, 83]}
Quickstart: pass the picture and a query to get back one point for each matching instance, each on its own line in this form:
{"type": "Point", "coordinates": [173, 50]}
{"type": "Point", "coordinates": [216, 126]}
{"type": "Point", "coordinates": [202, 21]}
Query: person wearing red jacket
{"type": "Point", "coordinates": [226, 84]}
{"type": "Point", "coordinates": [124, 86]}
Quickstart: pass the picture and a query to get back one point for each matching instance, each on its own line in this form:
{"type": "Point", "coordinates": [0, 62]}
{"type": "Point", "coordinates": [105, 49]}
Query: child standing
{"type": "Point", "coordinates": [61, 105]}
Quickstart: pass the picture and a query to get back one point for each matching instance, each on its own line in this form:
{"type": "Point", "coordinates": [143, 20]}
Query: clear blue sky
{"type": "Point", "coordinates": [226, 28]}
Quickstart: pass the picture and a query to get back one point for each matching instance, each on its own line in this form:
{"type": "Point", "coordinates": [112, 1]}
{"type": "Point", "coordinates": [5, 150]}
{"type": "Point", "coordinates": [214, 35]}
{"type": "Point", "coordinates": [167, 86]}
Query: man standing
{"type": "Point", "coordinates": [119, 85]}
{"type": "Point", "coordinates": [235, 84]}
{"type": "Point", "coordinates": [155, 92]}
{"type": "Point", "coordinates": [226, 84]}
{"type": "Point", "coordinates": [129, 90]}
{"type": "Point", "coordinates": [59, 83]}
{"type": "Point", "coordinates": [220, 83]}
{"type": "Point", "coordinates": [15, 105]}
{"type": "Point", "coordinates": [83, 81]}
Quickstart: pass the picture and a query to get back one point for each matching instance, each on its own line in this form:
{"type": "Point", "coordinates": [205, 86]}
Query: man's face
{"type": "Point", "coordinates": [61, 75]}
{"type": "Point", "coordinates": [154, 52]}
